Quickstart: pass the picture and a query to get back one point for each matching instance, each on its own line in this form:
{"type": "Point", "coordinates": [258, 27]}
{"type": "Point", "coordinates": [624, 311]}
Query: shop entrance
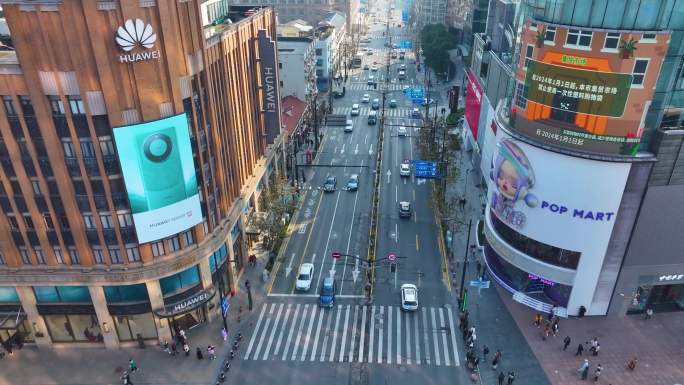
{"type": "Point", "coordinates": [190, 320]}
{"type": "Point", "coordinates": [660, 298]}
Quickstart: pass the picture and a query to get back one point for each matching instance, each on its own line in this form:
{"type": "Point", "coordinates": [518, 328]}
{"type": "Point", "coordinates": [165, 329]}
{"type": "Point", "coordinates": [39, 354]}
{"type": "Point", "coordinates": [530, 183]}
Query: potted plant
{"type": "Point", "coordinates": [541, 37]}
{"type": "Point", "coordinates": [627, 47]}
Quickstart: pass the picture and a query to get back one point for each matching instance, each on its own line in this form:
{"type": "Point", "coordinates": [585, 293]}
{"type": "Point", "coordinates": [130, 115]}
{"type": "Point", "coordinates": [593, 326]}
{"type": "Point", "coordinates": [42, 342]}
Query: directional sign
{"type": "Point", "coordinates": [392, 257]}
{"type": "Point", "coordinates": [425, 169]}
{"type": "Point", "coordinates": [405, 44]}
{"type": "Point", "coordinates": [480, 284]}
{"type": "Point", "coordinates": [224, 306]}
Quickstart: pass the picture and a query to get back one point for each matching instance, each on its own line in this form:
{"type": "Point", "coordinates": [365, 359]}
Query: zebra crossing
{"type": "Point", "coordinates": [354, 333]}
{"type": "Point", "coordinates": [363, 86]}
{"type": "Point", "coordinates": [363, 111]}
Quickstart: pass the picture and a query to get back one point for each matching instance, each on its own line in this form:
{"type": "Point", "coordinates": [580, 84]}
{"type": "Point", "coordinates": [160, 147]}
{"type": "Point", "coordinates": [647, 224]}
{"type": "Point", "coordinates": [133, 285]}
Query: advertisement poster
{"type": "Point", "coordinates": [473, 103]}
{"type": "Point", "coordinates": [271, 91]}
{"type": "Point", "coordinates": [562, 201]}
{"type": "Point", "coordinates": [159, 172]}
{"type": "Point", "coordinates": [591, 98]}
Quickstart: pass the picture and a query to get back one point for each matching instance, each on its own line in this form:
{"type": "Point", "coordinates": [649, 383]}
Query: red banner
{"type": "Point", "coordinates": [473, 102]}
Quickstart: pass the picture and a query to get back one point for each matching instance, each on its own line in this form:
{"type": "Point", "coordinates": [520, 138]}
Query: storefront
{"type": "Point", "coordinates": [660, 298]}
{"type": "Point", "coordinates": [14, 328]}
{"type": "Point", "coordinates": [129, 306]}
{"type": "Point", "coordinates": [68, 313]}
{"type": "Point", "coordinates": [189, 312]}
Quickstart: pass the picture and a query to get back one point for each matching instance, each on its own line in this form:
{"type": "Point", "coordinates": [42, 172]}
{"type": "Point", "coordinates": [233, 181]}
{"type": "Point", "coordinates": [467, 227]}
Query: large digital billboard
{"type": "Point", "coordinates": [586, 93]}
{"type": "Point", "coordinates": [159, 172]}
{"type": "Point", "coordinates": [562, 201]}
{"type": "Point", "coordinates": [473, 103]}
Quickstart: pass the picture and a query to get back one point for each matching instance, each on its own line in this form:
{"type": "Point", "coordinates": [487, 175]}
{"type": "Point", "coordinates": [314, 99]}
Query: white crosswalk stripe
{"type": "Point", "coordinates": [401, 112]}
{"type": "Point", "coordinates": [354, 333]}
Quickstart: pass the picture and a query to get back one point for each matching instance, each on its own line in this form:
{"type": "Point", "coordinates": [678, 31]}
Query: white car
{"type": "Point", "coordinates": [304, 277]}
{"type": "Point", "coordinates": [409, 297]}
{"type": "Point", "coordinates": [371, 80]}
{"type": "Point", "coordinates": [401, 131]}
{"type": "Point", "coordinates": [355, 109]}
{"type": "Point", "coordinates": [349, 126]}
{"type": "Point", "coordinates": [365, 98]}
{"type": "Point", "coordinates": [404, 169]}
{"type": "Point", "coordinates": [374, 68]}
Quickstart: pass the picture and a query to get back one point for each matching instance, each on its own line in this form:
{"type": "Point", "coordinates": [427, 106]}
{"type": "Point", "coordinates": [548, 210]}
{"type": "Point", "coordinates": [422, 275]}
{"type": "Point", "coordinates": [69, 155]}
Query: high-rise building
{"type": "Point", "coordinates": [430, 12]}
{"type": "Point", "coordinates": [134, 142]}
{"type": "Point", "coordinates": [573, 116]}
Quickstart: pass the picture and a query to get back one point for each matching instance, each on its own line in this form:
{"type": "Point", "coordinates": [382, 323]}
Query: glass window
{"type": "Point", "coordinates": [57, 106]}
{"type": "Point", "coordinates": [125, 219]}
{"type": "Point", "coordinates": [187, 237]}
{"type": "Point", "coordinates": [59, 255]}
{"type": "Point", "coordinates": [86, 327]}
{"type": "Point", "coordinates": [73, 294]}
{"type": "Point", "coordinates": [639, 73]}
{"type": "Point", "coordinates": [48, 221]}
{"type": "Point", "coordinates": [578, 37]}
{"type": "Point", "coordinates": [28, 221]}
{"type": "Point", "coordinates": [87, 148]}
{"type": "Point", "coordinates": [174, 244]}
{"type": "Point", "coordinates": [107, 222]}
{"type": "Point", "coordinates": [528, 54]}
{"type": "Point", "coordinates": [89, 221]}
{"type": "Point", "coordinates": [9, 106]}
{"type": "Point", "coordinates": [173, 283]}
{"type": "Point", "coordinates": [126, 293]}
{"type": "Point", "coordinates": [36, 187]}
{"type": "Point", "coordinates": [26, 105]}
{"type": "Point", "coordinates": [76, 106]}
{"type": "Point", "coordinates": [40, 257]}
{"type": "Point", "coordinates": [158, 249]}
{"type": "Point", "coordinates": [13, 222]}
{"type": "Point", "coordinates": [73, 254]}
{"type": "Point", "coordinates": [649, 37]}
{"type": "Point", "coordinates": [107, 146]}
{"type": "Point", "coordinates": [115, 254]}
{"type": "Point", "coordinates": [129, 326]}
{"type": "Point", "coordinates": [8, 294]}
{"type": "Point", "coordinates": [133, 253]}
{"type": "Point", "coordinates": [550, 34]}
{"type": "Point", "coordinates": [612, 41]}
{"type": "Point", "coordinates": [59, 328]}
{"type": "Point", "coordinates": [98, 255]}
{"type": "Point", "coordinates": [46, 294]}
{"type": "Point", "coordinates": [68, 148]}
{"type": "Point", "coordinates": [2, 259]}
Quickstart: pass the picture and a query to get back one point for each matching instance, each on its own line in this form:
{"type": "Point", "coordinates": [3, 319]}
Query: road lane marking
{"type": "Point", "coordinates": [256, 329]}
{"type": "Point", "coordinates": [396, 193]}
{"type": "Point", "coordinates": [442, 325]}
{"type": "Point", "coordinates": [327, 333]}
{"type": "Point", "coordinates": [426, 343]}
{"type": "Point", "coordinates": [318, 333]}
{"type": "Point", "coordinates": [453, 336]}
{"type": "Point", "coordinates": [353, 333]}
{"type": "Point", "coordinates": [396, 232]}
{"type": "Point", "coordinates": [351, 230]}
{"type": "Point", "coordinates": [333, 347]}
{"type": "Point", "coordinates": [344, 333]}
{"type": "Point", "coordinates": [435, 340]}
{"type": "Point", "coordinates": [371, 338]}
{"type": "Point", "coordinates": [416, 242]}
{"type": "Point", "coordinates": [292, 329]}
{"type": "Point", "coordinates": [308, 238]}
{"type": "Point", "coordinates": [399, 336]}
{"type": "Point", "coordinates": [299, 332]}
{"type": "Point", "coordinates": [282, 329]}
{"type": "Point", "coordinates": [408, 338]}
{"type": "Point", "coordinates": [264, 332]}
{"type": "Point", "coordinates": [380, 333]}
{"type": "Point", "coordinates": [307, 339]}
{"type": "Point", "coordinates": [389, 334]}
{"type": "Point", "coordinates": [327, 243]}
{"type": "Point", "coordinates": [273, 331]}
{"type": "Point", "coordinates": [363, 333]}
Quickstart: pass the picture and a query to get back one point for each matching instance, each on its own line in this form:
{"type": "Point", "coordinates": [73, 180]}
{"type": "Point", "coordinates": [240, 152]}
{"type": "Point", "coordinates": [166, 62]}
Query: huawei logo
{"type": "Point", "coordinates": [133, 33]}
{"type": "Point", "coordinates": [136, 33]}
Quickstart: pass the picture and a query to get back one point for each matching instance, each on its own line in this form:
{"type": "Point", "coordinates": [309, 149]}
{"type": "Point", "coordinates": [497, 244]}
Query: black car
{"type": "Point", "coordinates": [330, 184]}
{"type": "Point", "coordinates": [338, 94]}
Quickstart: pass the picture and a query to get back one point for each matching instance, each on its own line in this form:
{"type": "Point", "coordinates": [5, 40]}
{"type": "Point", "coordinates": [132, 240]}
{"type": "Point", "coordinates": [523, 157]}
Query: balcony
{"type": "Point", "coordinates": [27, 162]}
{"type": "Point", "coordinates": [111, 165]}
{"type": "Point", "coordinates": [32, 125]}
{"type": "Point", "coordinates": [15, 126]}
{"type": "Point", "coordinates": [45, 167]}
{"type": "Point", "coordinates": [120, 200]}
{"type": "Point", "coordinates": [61, 125]}
{"type": "Point", "coordinates": [128, 234]}
{"type": "Point", "coordinates": [100, 201]}
{"type": "Point", "coordinates": [82, 202]}
{"type": "Point", "coordinates": [72, 165]}
{"type": "Point", "coordinates": [57, 203]}
{"type": "Point", "coordinates": [110, 236]}
{"type": "Point", "coordinates": [91, 234]}
{"type": "Point", "coordinates": [91, 166]}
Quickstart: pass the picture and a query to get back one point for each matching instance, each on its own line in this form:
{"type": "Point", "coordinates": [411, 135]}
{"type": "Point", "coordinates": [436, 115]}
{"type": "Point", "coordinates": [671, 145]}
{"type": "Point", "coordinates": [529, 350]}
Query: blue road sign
{"type": "Point", "coordinates": [480, 284]}
{"type": "Point", "coordinates": [425, 169]}
{"type": "Point", "coordinates": [405, 44]}
{"type": "Point", "coordinates": [224, 306]}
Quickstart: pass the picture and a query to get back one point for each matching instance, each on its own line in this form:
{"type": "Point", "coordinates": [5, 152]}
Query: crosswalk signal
{"type": "Point", "coordinates": [393, 267]}
{"type": "Point", "coordinates": [375, 86]}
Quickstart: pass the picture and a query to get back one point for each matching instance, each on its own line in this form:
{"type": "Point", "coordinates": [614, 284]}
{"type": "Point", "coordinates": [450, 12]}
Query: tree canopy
{"type": "Point", "coordinates": [436, 41]}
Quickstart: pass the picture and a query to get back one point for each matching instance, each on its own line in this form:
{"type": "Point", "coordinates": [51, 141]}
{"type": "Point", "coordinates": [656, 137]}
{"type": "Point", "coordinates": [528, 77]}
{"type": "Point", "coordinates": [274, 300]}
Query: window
{"type": "Point", "coordinates": [40, 257]}
{"type": "Point", "coordinates": [280, 65]}
{"type": "Point", "coordinates": [98, 255]}
{"type": "Point", "coordinates": [106, 220]}
{"type": "Point", "coordinates": [533, 26]}
{"type": "Point", "coordinates": [73, 254]}
{"type": "Point", "coordinates": [64, 221]}
{"type": "Point", "coordinates": [13, 222]}
{"type": "Point", "coordinates": [57, 106]}
{"type": "Point", "coordinates": [158, 249]}
{"type": "Point", "coordinates": [125, 219]}
{"type": "Point", "coordinates": [25, 257]}
{"type": "Point", "coordinates": [26, 105]}
{"type": "Point", "coordinates": [68, 148]}
{"type": "Point", "coordinates": [36, 187]}
{"type": "Point", "coordinates": [47, 218]}
{"type": "Point", "coordinates": [550, 34]}
{"type": "Point", "coordinates": [115, 253]}
{"type": "Point", "coordinates": [2, 259]}
{"type": "Point", "coordinates": [28, 221]}
{"type": "Point", "coordinates": [648, 38]}
{"type": "Point", "coordinates": [87, 148]}
{"type": "Point", "coordinates": [133, 253]}
{"type": "Point", "coordinates": [520, 100]}
{"type": "Point", "coordinates": [187, 237]}
{"type": "Point", "coordinates": [107, 146]}
{"type": "Point", "coordinates": [612, 41]}
{"type": "Point", "coordinates": [89, 221]}
{"type": "Point", "coordinates": [639, 72]}
{"type": "Point", "coordinates": [319, 52]}
{"type": "Point", "coordinates": [9, 106]}
{"type": "Point", "coordinates": [59, 255]}
{"type": "Point", "coordinates": [578, 37]}
{"type": "Point", "coordinates": [174, 244]}
{"type": "Point", "coordinates": [528, 54]}
{"type": "Point", "coordinates": [76, 106]}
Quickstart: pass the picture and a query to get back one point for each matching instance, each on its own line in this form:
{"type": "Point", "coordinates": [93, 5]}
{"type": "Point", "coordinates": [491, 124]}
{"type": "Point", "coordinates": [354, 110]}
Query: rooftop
{"type": "Point", "coordinates": [292, 111]}
{"type": "Point", "coordinates": [235, 14]}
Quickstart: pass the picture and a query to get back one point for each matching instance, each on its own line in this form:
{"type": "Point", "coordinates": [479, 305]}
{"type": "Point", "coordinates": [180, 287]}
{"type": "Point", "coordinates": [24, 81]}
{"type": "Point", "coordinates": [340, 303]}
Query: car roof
{"type": "Point", "coordinates": [355, 105]}
{"type": "Point", "coordinates": [306, 266]}
{"type": "Point", "coordinates": [354, 176]}
{"type": "Point", "coordinates": [405, 204]}
{"type": "Point", "coordinates": [404, 165]}
{"type": "Point", "coordinates": [349, 121]}
{"type": "Point", "coordinates": [330, 178]}
{"type": "Point", "coordinates": [328, 281]}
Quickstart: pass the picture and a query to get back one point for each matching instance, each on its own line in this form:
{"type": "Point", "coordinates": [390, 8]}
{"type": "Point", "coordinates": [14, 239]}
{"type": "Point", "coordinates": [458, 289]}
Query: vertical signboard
{"type": "Point", "coordinates": [473, 103]}
{"type": "Point", "coordinates": [159, 172]}
{"type": "Point", "coordinates": [270, 92]}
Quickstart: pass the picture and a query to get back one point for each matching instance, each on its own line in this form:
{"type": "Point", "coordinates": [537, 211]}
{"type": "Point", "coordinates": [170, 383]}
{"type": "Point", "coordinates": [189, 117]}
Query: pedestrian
{"type": "Point", "coordinates": [165, 345]}
{"type": "Point", "coordinates": [224, 334]}
{"type": "Point", "coordinates": [596, 349]}
{"type": "Point", "coordinates": [181, 333]}
{"type": "Point", "coordinates": [554, 327]}
{"type": "Point", "coordinates": [502, 376]}
{"type": "Point", "coordinates": [174, 349]}
{"type": "Point", "coordinates": [537, 320]}
{"type": "Point", "coordinates": [649, 313]}
{"type": "Point", "coordinates": [199, 353]}
{"type": "Point", "coordinates": [547, 331]}
{"type": "Point", "coordinates": [497, 359]}
{"type": "Point", "coordinates": [485, 351]}
{"type": "Point", "coordinates": [580, 349]}
{"type": "Point", "coordinates": [566, 342]}
{"type": "Point", "coordinates": [631, 365]}
{"type": "Point", "coordinates": [126, 378]}
{"type": "Point", "coordinates": [552, 313]}
{"type": "Point", "coordinates": [511, 377]}
{"type": "Point", "coordinates": [132, 366]}
{"type": "Point", "coordinates": [597, 373]}
{"type": "Point", "coordinates": [186, 349]}
{"type": "Point", "coordinates": [211, 352]}
{"type": "Point", "coordinates": [247, 284]}
{"type": "Point", "coordinates": [584, 369]}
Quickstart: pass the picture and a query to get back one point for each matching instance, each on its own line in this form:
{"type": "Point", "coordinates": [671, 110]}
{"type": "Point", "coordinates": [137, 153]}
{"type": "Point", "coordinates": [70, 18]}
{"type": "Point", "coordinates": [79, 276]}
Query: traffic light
{"type": "Point", "coordinates": [393, 267]}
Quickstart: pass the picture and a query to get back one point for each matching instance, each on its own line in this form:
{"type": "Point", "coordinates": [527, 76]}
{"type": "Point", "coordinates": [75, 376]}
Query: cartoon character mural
{"type": "Point", "coordinates": [513, 177]}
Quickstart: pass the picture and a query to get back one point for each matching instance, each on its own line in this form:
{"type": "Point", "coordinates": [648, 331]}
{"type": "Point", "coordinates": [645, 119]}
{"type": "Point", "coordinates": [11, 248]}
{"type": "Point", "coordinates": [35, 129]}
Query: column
{"type": "Point", "coordinates": [111, 340]}
{"type": "Point", "coordinates": [157, 303]}
{"type": "Point", "coordinates": [28, 303]}
{"type": "Point", "coordinates": [205, 276]}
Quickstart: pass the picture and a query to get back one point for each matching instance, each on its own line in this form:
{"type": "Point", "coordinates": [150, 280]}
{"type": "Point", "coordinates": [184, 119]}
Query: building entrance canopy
{"type": "Point", "coordinates": [188, 304]}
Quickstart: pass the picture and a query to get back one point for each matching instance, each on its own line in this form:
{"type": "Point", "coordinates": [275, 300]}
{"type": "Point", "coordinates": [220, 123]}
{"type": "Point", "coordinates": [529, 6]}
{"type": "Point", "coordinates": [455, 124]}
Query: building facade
{"type": "Point", "coordinates": [578, 137]}
{"type": "Point", "coordinates": [106, 134]}
{"type": "Point", "coordinates": [330, 48]}
{"type": "Point", "coordinates": [297, 67]}
{"type": "Point", "coordinates": [430, 12]}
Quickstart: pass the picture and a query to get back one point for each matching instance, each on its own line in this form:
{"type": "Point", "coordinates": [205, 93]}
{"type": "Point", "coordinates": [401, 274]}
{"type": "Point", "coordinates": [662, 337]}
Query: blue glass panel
{"type": "Point", "coordinates": [616, 9]}
{"type": "Point", "coordinates": [74, 293]}
{"type": "Point", "coordinates": [46, 294]}
{"type": "Point", "coordinates": [8, 294]}
{"type": "Point", "coordinates": [212, 264]}
{"type": "Point", "coordinates": [189, 277]}
{"type": "Point", "coordinates": [677, 17]}
{"type": "Point", "coordinates": [112, 294]}
{"type": "Point", "coordinates": [648, 14]}
{"type": "Point", "coordinates": [169, 284]}
{"type": "Point", "coordinates": [180, 280]}
{"type": "Point", "coordinates": [598, 12]}
{"type": "Point", "coordinates": [133, 293]}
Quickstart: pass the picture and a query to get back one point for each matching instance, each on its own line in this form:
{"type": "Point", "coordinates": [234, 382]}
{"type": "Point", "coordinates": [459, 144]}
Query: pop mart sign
{"type": "Point", "coordinates": [136, 34]}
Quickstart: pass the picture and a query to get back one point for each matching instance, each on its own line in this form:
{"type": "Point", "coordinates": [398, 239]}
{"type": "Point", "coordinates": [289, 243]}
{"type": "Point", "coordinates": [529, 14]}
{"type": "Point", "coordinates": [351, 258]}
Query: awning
{"type": "Point", "coordinates": [188, 304]}
{"type": "Point", "coordinates": [11, 320]}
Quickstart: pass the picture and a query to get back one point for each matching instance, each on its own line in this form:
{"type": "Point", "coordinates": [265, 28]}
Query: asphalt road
{"type": "Point", "coordinates": [296, 341]}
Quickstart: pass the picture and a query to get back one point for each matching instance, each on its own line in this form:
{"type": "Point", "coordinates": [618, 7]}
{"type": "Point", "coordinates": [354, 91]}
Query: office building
{"type": "Point", "coordinates": [134, 142]}
{"type": "Point", "coordinates": [297, 67]}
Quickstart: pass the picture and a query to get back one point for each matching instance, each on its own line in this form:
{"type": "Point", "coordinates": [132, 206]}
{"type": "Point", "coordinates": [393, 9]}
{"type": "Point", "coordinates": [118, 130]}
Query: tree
{"type": "Point", "coordinates": [276, 207]}
{"type": "Point", "coordinates": [436, 41]}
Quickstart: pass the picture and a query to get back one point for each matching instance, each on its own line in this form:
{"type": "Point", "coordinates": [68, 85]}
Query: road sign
{"type": "Point", "coordinates": [425, 169]}
{"type": "Point", "coordinates": [225, 305]}
{"type": "Point", "coordinates": [392, 257]}
{"type": "Point", "coordinates": [405, 44]}
{"type": "Point", "coordinates": [480, 284]}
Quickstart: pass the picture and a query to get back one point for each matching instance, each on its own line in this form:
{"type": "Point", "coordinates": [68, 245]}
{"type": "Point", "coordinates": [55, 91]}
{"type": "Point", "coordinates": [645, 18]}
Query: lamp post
{"type": "Point", "coordinates": [465, 262]}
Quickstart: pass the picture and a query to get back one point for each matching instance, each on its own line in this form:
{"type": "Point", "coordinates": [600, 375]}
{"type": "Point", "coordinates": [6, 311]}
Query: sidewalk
{"type": "Point", "coordinates": [98, 366]}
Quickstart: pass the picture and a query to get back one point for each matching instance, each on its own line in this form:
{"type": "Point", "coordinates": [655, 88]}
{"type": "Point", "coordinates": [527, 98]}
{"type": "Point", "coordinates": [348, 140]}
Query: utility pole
{"type": "Point", "coordinates": [465, 262]}
{"type": "Point", "coordinates": [315, 121]}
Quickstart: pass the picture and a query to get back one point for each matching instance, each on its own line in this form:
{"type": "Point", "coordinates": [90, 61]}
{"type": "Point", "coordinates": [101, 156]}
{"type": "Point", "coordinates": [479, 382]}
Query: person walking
{"type": "Point", "coordinates": [174, 349]}
{"type": "Point", "coordinates": [211, 352]}
{"type": "Point", "coordinates": [224, 334]}
{"type": "Point", "coordinates": [186, 349]}
{"type": "Point", "coordinates": [132, 366]}
{"type": "Point", "coordinates": [502, 377]}
{"type": "Point", "coordinates": [584, 369]}
{"type": "Point", "coordinates": [580, 349]}
{"type": "Point", "coordinates": [126, 378]}
{"type": "Point", "coordinates": [198, 352]}
{"type": "Point", "coordinates": [485, 351]}
{"type": "Point", "coordinates": [497, 359]}
{"type": "Point", "coordinates": [511, 377]}
{"type": "Point", "coordinates": [538, 320]}
{"type": "Point", "coordinates": [597, 373]}
{"type": "Point", "coordinates": [596, 349]}
{"type": "Point", "coordinates": [566, 342]}
{"type": "Point", "coordinates": [649, 313]}
{"type": "Point", "coordinates": [631, 364]}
